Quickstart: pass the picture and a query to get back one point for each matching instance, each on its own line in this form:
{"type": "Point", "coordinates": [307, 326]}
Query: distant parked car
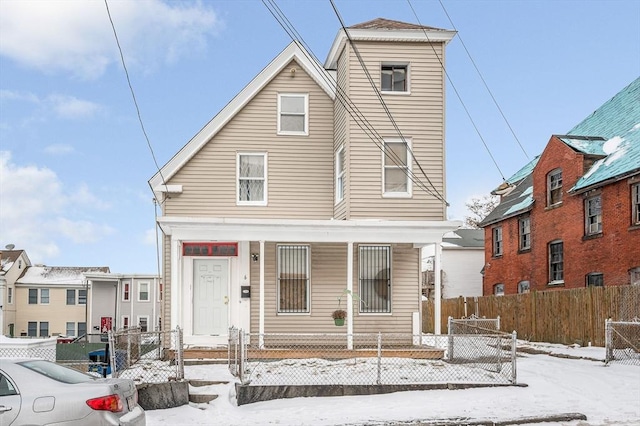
{"type": "Point", "coordinates": [38, 392]}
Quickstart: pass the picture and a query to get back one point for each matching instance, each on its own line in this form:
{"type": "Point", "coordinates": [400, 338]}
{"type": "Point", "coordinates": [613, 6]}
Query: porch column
{"type": "Point", "coordinates": [176, 291]}
{"type": "Point", "coordinates": [261, 308]}
{"type": "Point", "coordinates": [350, 295]}
{"type": "Point", "coordinates": [437, 290]}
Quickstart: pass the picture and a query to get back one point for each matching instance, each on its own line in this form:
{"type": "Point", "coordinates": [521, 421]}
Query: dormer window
{"type": "Point", "coordinates": [395, 78]}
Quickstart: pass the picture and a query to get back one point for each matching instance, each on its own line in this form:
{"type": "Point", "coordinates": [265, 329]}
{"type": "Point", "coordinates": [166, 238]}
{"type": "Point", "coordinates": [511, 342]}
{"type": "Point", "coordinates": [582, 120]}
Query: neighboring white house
{"type": "Point", "coordinates": [462, 261]}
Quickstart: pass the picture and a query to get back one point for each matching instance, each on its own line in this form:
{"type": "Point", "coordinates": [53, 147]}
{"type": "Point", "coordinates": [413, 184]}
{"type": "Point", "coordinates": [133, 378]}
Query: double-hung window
{"type": "Point", "coordinates": [143, 323]}
{"type": "Point", "coordinates": [293, 278]}
{"type": "Point", "coordinates": [82, 297]}
{"type": "Point", "coordinates": [524, 226]}
{"type": "Point", "coordinates": [44, 328]}
{"type": "Point", "coordinates": [44, 296]}
{"type": "Point", "coordinates": [293, 114]}
{"type": "Point", "coordinates": [556, 262]}
{"type": "Point", "coordinates": [554, 187]}
{"type": "Point", "coordinates": [593, 215]}
{"type": "Point", "coordinates": [252, 179]}
{"type": "Point", "coordinates": [397, 167]}
{"type": "Point", "coordinates": [10, 295]}
{"type": "Point", "coordinates": [71, 329]}
{"type": "Point", "coordinates": [340, 174]}
{"type": "Point", "coordinates": [635, 204]}
{"type": "Point", "coordinates": [32, 329]}
{"type": "Point", "coordinates": [595, 279]}
{"type": "Point", "coordinates": [126, 291]}
{"type": "Point", "coordinates": [125, 321]}
{"type": "Point", "coordinates": [394, 78]}
{"type": "Point", "coordinates": [71, 297]}
{"type": "Point", "coordinates": [143, 291]}
{"type": "Point", "coordinates": [374, 279]}
{"type": "Point", "coordinates": [497, 241]}
{"type": "Point", "coordinates": [634, 276]}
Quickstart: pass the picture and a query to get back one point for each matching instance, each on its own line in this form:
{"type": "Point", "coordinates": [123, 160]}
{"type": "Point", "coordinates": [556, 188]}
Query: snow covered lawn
{"type": "Point", "coordinates": [606, 395]}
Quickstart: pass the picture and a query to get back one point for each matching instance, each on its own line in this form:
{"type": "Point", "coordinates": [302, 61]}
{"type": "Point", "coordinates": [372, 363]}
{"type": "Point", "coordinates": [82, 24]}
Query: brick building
{"type": "Point", "coordinates": [571, 217]}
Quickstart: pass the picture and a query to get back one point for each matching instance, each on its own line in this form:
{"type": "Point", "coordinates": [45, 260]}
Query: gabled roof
{"type": "Point", "coordinates": [294, 51]}
{"type": "Point", "coordinates": [385, 30]}
{"type": "Point", "coordinates": [57, 275]}
{"type": "Point", "coordinates": [9, 257]}
{"type": "Point", "coordinates": [618, 122]}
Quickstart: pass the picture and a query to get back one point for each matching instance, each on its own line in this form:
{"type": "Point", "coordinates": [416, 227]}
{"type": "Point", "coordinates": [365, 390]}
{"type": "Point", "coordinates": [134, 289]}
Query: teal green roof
{"type": "Point", "coordinates": [617, 122]}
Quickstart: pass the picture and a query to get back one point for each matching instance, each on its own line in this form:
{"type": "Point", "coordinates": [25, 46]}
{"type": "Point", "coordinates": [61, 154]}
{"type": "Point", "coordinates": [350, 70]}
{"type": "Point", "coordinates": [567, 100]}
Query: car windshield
{"type": "Point", "coordinates": [57, 372]}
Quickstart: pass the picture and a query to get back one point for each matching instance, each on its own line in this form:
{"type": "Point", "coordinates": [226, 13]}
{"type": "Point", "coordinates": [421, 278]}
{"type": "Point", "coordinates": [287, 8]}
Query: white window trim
{"type": "Point", "coordinates": [159, 291]}
{"type": "Point", "coordinates": [555, 282]}
{"type": "Point", "coordinates": [495, 288]}
{"type": "Point", "coordinates": [407, 65]}
{"type": "Point", "coordinates": [124, 285]}
{"type": "Point", "coordinates": [265, 156]}
{"type": "Point", "coordinates": [306, 114]}
{"type": "Point", "coordinates": [148, 299]}
{"type": "Point", "coordinates": [307, 312]}
{"type": "Point", "coordinates": [122, 322]}
{"type": "Point", "coordinates": [139, 317]}
{"type": "Point", "coordinates": [340, 177]}
{"type": "Point", "coordinates": [40, 296]}
{"type": "Point", "coordinates": [409, 159]}
{"type": "Point", "coordinates": [66, 329]}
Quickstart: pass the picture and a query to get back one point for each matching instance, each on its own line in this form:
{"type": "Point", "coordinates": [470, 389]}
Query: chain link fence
{"type": "Point", "coordinates": [622, 341]}
{"type": "Point", "coordinates": [370, 359]}
{"type": "Point", "coordinates": [146, 357]}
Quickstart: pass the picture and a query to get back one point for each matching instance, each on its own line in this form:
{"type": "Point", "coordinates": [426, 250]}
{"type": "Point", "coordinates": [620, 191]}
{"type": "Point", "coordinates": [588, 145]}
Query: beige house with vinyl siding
{"type": "Point", "coordinates": [305, 189]}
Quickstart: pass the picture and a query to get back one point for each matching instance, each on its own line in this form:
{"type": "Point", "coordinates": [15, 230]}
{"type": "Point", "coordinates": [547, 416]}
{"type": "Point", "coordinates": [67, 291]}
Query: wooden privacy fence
{"type": "Point", "coordinates": [554, 316]}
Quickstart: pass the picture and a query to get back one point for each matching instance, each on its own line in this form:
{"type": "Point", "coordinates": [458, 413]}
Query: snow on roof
{"type": "Point", "coordinates": [60, 275]}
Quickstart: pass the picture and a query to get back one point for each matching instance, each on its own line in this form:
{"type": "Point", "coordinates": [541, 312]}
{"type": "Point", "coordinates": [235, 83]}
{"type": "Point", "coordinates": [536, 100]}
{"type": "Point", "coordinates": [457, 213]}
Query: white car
{"type": "Point", "coordinates": [39, 392]}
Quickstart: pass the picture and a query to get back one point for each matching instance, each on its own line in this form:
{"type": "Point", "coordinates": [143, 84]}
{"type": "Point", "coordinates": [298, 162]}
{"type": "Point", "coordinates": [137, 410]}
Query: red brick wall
{"type": "Point", "coordinates": [612, 253]}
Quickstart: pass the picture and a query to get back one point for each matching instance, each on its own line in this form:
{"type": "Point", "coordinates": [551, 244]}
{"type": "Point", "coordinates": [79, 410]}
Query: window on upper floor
{"type": "Point", "coordinates": [293, 279]}
{"type": "Point", "coordinates": [293, 116]}
{"type": "Point", "coordinates": [160, 291]}
{"type": "Point", "coordinates": [595, 279]}
{"type": "Point", "coordinates": [497, 241]}
{"type": "Point", "coordinates": [252, 179]}
{"type": "Point", "coordinates": [394, 78]}
{"type": "Point", "coordinates": [10, 295]}
{"type": "Point", "coordinates": [524, 287]}
{"type": "Point", "coordinates": [593, 215]}
{"type": "Point", "coordinates": [556, 262]}
{"type": "Point", "coordinates": [397, 168]}
{"type": "Point", "coordinates": [554, 187]}
{"type": "Point", "coordinates": [374, 278]}
{"type": "Point", "coordinates": [143, 292]}
{"type": "Point", "coordinates": [82, 297]}
{"type": "Point", "coordinates": [524, 232]}
{"type": "Point", "coordinates": [498, 289]}
{"type": "Point", "coordinates": [33, 296]}
{"type": "Point", "coordinates": [44, 296]}
{"type": "Point", "coordinates": [340, 174]}
{"type": "Point", "coordinates": [635, 204]}
{"type": "Point", "coordinates": [71, 297]}
{"type": "Point", "coordinates": [126, 291]}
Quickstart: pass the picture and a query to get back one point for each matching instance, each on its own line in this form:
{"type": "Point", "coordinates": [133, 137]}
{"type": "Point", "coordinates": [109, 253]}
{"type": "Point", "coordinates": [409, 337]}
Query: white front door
{"type": "Point", "coordinates": [210, 296]}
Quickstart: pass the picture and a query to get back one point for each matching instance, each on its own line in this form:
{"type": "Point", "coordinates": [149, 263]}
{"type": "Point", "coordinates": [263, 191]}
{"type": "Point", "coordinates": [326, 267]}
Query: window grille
{"type": "Point", "coordinates": [525, 233]}
{"type": "Point", "coordinates": [82, 297]}
{"type": "Point", "coordinates": [293, 279]}
{"type": "Point", "coordinates": [593, 210]}
{"type": "Point", "coordinates": [554, 187]}
{"type": "Point", "coordinates": [497, 241]}
{"type": "Point", "coordinates": [33, 296]}
{"type": "Point", "coordinates": [375, 279]}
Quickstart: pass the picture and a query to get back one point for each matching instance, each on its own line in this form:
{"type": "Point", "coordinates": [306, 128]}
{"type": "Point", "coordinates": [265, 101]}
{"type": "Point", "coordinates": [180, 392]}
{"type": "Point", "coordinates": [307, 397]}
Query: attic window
{"type": "Point", "coordinates": [293, 117]}
{"type": "Point", "coordinates": [554, 187]}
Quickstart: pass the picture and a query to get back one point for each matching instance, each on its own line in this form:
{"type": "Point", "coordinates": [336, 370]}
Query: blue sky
{"type": "Point", "coordinates": [74, 163]}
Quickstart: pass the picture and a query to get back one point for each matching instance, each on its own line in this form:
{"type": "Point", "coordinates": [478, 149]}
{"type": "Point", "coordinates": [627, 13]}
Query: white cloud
{"type": "Point", "coordinates": [36, 212]}
{"type": "Point", "coordinates": [59, 149]}
{"type": "Point", "coordinates": [76, 36]}
{"type": "Point", "coordinates": [72, 107]}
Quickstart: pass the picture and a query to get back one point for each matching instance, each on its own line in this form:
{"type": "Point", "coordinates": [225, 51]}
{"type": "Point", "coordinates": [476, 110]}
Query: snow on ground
{"type": "Point", "coordinates": [607, 395]}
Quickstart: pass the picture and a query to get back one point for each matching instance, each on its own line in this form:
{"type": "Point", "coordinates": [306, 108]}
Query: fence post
{"type": "Point", "coordinates": [379, 381]}
{"type": "Point", "coordinates": [450, 339]}
{"type": "Point", "coordinates": [180, 354]}
{"type": "Point", "coordinates": [608, 343]}
{"type": "Point", "coordinates": [498, 323]}
{"type": "Point", "coordinates": [514, 340]}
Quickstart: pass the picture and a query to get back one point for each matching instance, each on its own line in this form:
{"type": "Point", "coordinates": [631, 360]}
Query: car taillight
{"type": "Point", "coordinates": [111, 403]}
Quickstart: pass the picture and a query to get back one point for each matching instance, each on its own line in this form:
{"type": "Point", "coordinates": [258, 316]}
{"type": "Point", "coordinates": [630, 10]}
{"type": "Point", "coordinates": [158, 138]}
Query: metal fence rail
{"type": "Point", "coordinates": [622, 341]}
{"type": "Point", "coordinates": [366, 359]}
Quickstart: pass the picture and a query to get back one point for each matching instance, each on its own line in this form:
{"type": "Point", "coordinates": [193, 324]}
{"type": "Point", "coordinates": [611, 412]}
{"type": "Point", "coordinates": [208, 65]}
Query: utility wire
{"type": "Point", "coordinates": [381, 99]}
{"type": "Point", "coordinates": [481, 78]}
{"type": "Point", "coordinates": [133, 95]}
{"type": "Point", "coordinates": [458, 94]}
{"type": "Point", "coordinates": [341, 96]}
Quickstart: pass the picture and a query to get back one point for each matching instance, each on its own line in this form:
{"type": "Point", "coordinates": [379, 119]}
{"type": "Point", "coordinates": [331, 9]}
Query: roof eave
{"type": "Point", "coordinates": [595, 185]}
